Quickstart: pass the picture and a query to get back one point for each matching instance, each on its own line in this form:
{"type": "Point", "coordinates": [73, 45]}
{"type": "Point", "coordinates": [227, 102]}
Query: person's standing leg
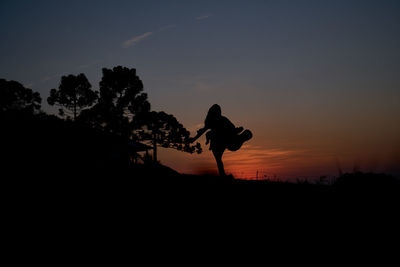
{"type": "Point", "coordinates": [218, 157]}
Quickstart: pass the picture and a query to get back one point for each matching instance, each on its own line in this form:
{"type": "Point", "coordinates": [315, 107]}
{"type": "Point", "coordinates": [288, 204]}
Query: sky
{"type": "Point", "coordinates": [317, 82]}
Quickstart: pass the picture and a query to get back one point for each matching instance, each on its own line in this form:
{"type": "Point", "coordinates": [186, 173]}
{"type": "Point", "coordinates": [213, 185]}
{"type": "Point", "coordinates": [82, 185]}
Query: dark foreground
{"type": "Point", "coordinates": [156, 206]}
{"type": "Point", "coordinates": [161, 184]}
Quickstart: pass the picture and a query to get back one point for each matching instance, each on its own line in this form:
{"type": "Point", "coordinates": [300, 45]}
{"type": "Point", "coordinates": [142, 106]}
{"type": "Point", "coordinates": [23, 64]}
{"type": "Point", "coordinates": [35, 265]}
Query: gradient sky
{"type": "Point", "coordinates": [318, 82]}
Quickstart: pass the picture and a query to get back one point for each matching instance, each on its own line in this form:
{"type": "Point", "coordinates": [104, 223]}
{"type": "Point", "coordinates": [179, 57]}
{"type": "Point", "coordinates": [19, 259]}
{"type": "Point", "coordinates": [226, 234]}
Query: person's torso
{"type": "Point", "coordinates": [222, 126]}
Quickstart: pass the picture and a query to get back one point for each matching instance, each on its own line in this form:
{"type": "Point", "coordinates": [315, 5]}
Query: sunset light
{"type": "Point", "coordinates": [284, 90]}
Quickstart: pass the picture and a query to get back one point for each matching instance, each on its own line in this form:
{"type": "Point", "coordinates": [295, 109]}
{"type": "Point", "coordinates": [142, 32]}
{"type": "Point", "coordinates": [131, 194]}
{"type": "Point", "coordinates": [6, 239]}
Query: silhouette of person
{"type": "Point", "coordinates": [222, 135]}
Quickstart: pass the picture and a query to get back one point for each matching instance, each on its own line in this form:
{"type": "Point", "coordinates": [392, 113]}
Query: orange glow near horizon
{"type": "Point", "coordinates": [257, 162]}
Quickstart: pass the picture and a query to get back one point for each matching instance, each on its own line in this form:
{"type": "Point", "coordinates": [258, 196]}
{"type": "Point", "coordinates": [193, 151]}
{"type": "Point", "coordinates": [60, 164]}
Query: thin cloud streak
{"type": "Point", "coordinates": [204, 17]}
{"type": "Point", "coordinates": [136, 39]}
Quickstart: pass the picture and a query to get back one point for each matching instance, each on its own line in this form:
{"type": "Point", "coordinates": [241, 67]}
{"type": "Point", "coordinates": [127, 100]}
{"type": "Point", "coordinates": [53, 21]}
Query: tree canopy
{"type": "Point", "coordinates": [121, 98]}
{"type": "Point", "coordinates": [120, 113]}
{"type": "Point", "coordinates": [15, 97]}
{"type": "Point", "coordinates": [164, 129]}
{"type": "Point", "coordinates": [73, 95]}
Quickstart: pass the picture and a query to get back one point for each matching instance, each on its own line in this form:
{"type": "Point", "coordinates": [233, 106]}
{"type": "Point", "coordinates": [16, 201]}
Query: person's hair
{"type": "Point", "coordinates": [213, 112]}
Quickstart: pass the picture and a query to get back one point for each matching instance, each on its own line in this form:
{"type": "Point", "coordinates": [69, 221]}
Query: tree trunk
{"type": "Point", "coordinates": [75, 111]}
{"type": "Point", "coordinates": [74, 108]}
{"type": "Point", "coordinates": [154, 148]}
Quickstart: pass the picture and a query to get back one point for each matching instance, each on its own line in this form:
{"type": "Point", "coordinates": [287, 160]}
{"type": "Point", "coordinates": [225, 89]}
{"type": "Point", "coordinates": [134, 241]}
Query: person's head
{"type": "Point", "coordinates": [213, 113]}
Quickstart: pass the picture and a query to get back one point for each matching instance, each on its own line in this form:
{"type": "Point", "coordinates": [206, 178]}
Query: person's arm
{"type": "Point", "coordinates": [200, 132]}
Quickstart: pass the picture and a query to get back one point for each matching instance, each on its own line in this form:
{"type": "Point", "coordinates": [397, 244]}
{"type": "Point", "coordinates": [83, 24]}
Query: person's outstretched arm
{"type": "Point", "coordinates": [199, 133]}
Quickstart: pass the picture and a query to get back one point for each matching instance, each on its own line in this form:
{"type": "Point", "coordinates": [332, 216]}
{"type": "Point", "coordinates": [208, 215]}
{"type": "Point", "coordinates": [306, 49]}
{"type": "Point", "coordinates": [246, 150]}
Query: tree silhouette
{"type": "Point", "coordinates": [164, 129]}
{"type": "Point", "coordinates": [73, 94]}
{"type": "Point", "coordinates": [15, 97]}
{"type": "Point", "coordinates": [121, 98]}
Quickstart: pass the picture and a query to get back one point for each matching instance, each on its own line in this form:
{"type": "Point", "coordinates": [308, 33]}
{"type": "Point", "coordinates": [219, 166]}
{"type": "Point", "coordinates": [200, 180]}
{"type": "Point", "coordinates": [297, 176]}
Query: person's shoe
{"type": "Point", "coordinates": [239, 129]}
{"type": "Point", "coordinates": [247, 135]}
{"type": "Point", "coordinates": [240, 139]}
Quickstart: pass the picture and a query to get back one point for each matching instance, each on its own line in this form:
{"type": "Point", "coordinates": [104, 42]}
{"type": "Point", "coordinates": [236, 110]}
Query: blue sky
{"type": "Point", "coordinates": [320, 76]}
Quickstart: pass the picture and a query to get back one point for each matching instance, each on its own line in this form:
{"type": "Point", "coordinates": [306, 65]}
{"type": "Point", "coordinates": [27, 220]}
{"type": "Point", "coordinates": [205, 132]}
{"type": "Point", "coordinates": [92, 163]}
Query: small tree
{"type": "Point", "coordinates": [15, 97]}
{"type": "Point", "coordinates": [73, 95]}
{"type": "Point", "coordinates": [164, 129]}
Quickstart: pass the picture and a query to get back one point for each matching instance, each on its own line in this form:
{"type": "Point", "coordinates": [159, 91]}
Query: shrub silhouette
{"type": "Point", "coordinates": [360, 182]}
